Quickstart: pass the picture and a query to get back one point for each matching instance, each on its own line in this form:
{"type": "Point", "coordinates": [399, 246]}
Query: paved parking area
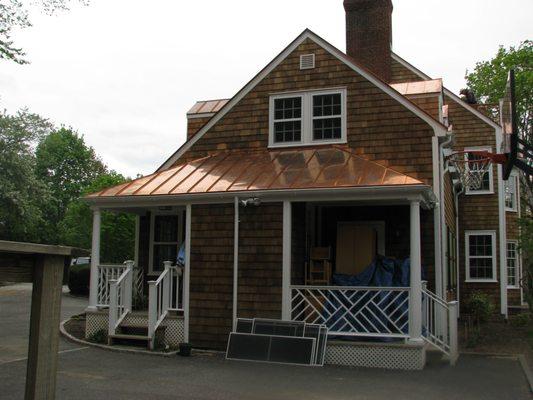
{"type": "Point", "coordinates": [89, 373]}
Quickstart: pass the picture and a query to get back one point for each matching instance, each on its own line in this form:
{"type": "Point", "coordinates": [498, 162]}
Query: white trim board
{"type": "Point", "coordinates": [440, 130]}
{"type": "Point", "coordinates": [493, 256]}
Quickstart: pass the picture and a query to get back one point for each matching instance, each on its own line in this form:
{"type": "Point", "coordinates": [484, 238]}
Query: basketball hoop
{"type": "Point", "coordinates": [471, 166]}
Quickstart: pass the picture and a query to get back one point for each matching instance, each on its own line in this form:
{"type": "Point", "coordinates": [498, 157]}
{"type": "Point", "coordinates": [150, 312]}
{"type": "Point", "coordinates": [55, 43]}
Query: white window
{"type": "Point", "coordinates": [308, 118]}
{"type": "Point", "coordinates": [487, 185]}
{"type": "Point", "coordinates": [511, 193]}
{"type": "Point", "coordinates": [513, 264]}
{"type": "Point", "coordinates": [480, 253]}
{"type": "Point", "coordinates": [166, 236]}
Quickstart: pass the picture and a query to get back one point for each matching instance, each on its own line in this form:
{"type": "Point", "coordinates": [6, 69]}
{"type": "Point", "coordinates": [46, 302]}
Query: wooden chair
{"type": "Point", "coordinates": [318, 269]}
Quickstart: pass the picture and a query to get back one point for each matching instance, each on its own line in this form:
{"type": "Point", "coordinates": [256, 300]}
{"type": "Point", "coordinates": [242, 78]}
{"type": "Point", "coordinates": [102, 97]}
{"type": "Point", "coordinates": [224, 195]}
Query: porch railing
{"type": "Point", "coordinates": [439, 323]}
{"type": "Point", "coordinates": [353, 311]}
{"type": "Point", "coordinates": [109, 272]}
{"type": "Point", "coordinates": [163, 296]}
{"type": "Point", "coordinates": [120, 293]}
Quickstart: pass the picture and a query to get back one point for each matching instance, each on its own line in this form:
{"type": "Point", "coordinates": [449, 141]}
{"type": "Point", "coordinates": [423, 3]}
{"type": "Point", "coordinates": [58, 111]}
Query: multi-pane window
{"type": "Point", "coordinates": [480, 255]}
{"type": "Point", "coordinates": [327, 116]}
{"type": "Point", "coordinates": [166, 237]}
{"type": "Point", "coordinates": [511, 193]}
{"type": "Point", "coordinates": [306, 118]}
{"type": "Point", "coordinates": [513, 270]}
{"type": "Point", "coordinates": [288, 120]}
{"type": "Point", "coordinates": [486, 186]}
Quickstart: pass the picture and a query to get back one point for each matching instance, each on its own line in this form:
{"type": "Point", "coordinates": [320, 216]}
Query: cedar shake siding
{"type": "Point", "coordinates": [401, 74]}
{"type": "Point", "coordinates": [195, 124]}
{"type": "Point", "coordinates": [378, 126]}
{"type": "Point", "coordinates": [429, 104]}
{"type": "Point", "coordinates": [449, 203]}
{"type": "Point", "coordinates": [211, 280]}
{"type": "Point", "coordinates": [260, 261]}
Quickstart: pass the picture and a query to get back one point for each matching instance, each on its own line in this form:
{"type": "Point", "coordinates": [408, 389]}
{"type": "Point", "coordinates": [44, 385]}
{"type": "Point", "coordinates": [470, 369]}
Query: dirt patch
{"type": "Point", "coordinates": [76, 327]}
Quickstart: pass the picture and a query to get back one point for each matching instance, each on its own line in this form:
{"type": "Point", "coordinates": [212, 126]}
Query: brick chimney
{"type": "Point", "coordinates": [369, 34]}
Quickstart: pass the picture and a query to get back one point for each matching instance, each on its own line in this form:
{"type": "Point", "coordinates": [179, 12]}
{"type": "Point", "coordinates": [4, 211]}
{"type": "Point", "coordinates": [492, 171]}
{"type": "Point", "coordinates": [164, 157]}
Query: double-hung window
{"type": "Point", "coordinates": [308, 118]}
{"type": "Point", "coordinates": [480, 251]}
{"type": "Point", "coordinates": [511, 193]}
{"type": "Point", "coordinates": [513, 266]}
{"type": "Point", "coordinates": [487, 182]}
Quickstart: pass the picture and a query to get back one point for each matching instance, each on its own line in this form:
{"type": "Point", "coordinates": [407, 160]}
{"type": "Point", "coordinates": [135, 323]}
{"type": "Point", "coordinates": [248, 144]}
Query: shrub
{"type": "Point", "coordinates": [520, 320]}
{"type": "Point", "coordinates": [79, 277]}
{"type": "Point", "coordinates": [480, 306]}
{"type": "Point", "coordinates": [99, 336]}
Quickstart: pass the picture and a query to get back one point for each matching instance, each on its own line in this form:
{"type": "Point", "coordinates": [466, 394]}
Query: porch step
{"type": "Point", "coordinates": [124, 336]}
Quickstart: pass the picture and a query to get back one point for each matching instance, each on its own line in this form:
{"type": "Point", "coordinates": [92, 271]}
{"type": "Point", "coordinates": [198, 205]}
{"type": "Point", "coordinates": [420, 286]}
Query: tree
{"type": "Point", "coordinates": [117, 229]}
{"type": "Point", "coordinates": [15, 14]}
{"type": "Point", "coordinates": [488, 80]}
{"type": "Point", "coordinates": [66, 165]}
{"type": "Point", "coordinates": [22, 195]}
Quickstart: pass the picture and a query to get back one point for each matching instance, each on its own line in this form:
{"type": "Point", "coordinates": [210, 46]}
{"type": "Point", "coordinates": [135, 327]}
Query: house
{"type": "Point", "coordinates": [322, 162]}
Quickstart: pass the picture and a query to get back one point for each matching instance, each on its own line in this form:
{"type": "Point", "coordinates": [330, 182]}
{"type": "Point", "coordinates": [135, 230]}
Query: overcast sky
{"type": "Point", "coordinates": [125, 72]}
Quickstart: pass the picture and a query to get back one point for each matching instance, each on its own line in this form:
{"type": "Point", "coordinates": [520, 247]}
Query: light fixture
{"type": "Point", "coordinates": [252, 201]}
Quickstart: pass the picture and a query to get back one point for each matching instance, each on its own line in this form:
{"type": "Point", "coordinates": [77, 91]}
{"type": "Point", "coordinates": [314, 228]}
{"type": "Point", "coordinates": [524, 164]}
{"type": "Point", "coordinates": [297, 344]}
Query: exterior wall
{"type": "Point", "coordinates": [194, 125]}
{"type": "Point", "coordinates": [378, 126]}
{"type": "Point", "coordinates": [260, 261]}
{"type": "Point", "coordinates": [514, 297]}
{"type": "Point", "coordinates": [211, 280]}
{"type": "Point", "coordinates": [429, 104]}
{"type": "Point", "coordinates": [401, 74]}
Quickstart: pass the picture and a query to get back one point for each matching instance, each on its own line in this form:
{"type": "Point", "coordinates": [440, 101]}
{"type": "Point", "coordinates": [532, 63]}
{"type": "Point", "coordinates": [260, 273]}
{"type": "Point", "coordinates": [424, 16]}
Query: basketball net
{"type": "Point", "coordinates": [471, 167]}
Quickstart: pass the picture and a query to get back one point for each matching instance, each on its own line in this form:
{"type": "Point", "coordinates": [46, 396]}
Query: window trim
{"type": "Point", "coordinates": [470, 192]}
{"type": "Point", "coordinates": [307, 118]}
{"type": "Point", "coordinates": [492, 233]}
{"type": "Point", "coordinates": [156, 212]}
{"type": "Point", "coordinates": [518, 265]}
{"type": "Point", "coordinates": [514, 177]}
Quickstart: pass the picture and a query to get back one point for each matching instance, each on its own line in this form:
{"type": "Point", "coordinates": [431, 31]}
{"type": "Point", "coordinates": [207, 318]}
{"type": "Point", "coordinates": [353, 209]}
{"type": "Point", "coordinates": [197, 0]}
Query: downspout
{"type": "Point", "coordinates": [457, 247]}
{"type": "Point", "coordinates": [444, 243]}
{"type": "Point", "coordinates": [437, 215]}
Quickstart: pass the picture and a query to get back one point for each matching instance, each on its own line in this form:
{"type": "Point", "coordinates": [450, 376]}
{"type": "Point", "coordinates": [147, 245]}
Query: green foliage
{"type": "Point", "coordinates": [22, 195]}
{"type": "Point", "coordinates": [480, 307]}
{"type": "Point", "coordinates": [79, 278]}
{"type": "Point", "coordinates": [99, 336]}
{"type": "Point", "coordinates": [489, 78]}
{"type": "Point", "coordinates": [526, 248]}
{"type": "Point", "coordinates": [117, 229]}
{"type": "Point", "coordinates": [66, 165]}
{"type": "Point", "coordinates": [520, 320]}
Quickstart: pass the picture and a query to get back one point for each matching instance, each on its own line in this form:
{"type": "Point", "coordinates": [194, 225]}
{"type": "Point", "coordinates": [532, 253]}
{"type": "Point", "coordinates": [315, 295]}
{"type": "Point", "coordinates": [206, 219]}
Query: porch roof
{"type": "Point", "coordinates": [328, 167]}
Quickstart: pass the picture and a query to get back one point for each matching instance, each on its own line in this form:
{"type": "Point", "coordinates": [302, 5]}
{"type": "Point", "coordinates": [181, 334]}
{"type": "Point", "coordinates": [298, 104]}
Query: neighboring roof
{"type": "Point", "coordinates": [419, 87]}
{"type": "Point", "coordinates": [447, 92]}
{"type": "Point", "coordinates": [306, 34]}
{"type": "Point", "coordinates": [207, 107]}
{"type": "Point", "coordinates": [238, 171]}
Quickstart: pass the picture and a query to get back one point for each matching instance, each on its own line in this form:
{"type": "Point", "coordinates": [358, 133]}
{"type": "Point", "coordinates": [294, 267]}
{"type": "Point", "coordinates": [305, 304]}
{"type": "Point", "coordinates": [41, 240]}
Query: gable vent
{"type": "Point", "coordinates": [307, 61]}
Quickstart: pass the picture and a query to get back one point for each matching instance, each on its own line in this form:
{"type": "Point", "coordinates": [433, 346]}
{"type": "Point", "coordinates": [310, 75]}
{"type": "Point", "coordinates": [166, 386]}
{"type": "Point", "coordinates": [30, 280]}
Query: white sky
{"type": "Point", "coordinates": [125, 72]}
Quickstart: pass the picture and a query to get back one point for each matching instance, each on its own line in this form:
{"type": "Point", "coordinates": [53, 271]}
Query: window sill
{"type": "Point", "coordinates": [511, 210]}
{"type": "Point", "coordinates": [513, 287]}
{"type": "Point", "coordinates": [481, 281]}
{"type": "Point", "coordinates": [312, 144]}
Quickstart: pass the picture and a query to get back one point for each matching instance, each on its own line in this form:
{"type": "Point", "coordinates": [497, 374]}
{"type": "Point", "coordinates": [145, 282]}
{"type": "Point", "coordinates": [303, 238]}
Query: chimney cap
{"type": "Point", "coordinates": [355, 5]}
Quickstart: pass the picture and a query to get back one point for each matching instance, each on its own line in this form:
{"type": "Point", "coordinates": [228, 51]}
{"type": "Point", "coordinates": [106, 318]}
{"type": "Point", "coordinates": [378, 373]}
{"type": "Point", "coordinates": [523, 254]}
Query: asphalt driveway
{"type": "Point", "coordinates": [89, 373]}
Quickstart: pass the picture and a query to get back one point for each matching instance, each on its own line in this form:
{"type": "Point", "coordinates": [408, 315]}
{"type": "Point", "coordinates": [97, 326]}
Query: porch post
{"type": "Point", "coordinates": [95, 260]}
{"type": "Point", "coordinates": [286, 277]}
{"type": "Point", "coordinates": [187, 272]}
{"type": "Point", "coordinates": [415, 293]}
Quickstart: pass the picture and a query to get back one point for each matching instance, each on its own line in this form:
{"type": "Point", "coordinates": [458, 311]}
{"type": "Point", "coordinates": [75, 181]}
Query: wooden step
{"type": "Point", "coordinates": [124, 336]}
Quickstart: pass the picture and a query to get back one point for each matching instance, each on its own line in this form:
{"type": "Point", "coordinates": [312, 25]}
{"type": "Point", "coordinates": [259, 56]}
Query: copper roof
{"type": "Point", "coordinates": [419, 87]}
{"type": "Point", "coordinates": [320, 167]}
{"type": "Point", "coordinates": [207, 106]}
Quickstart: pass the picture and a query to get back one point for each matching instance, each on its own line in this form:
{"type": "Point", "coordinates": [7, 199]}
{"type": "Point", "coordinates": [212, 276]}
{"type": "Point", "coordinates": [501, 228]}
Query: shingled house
{"type": "Point", "coordinates": [324, 164]}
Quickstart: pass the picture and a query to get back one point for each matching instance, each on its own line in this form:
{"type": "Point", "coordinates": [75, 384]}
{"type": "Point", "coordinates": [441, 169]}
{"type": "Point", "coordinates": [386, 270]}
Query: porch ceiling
{"type": "Point", "coordinates": [331, 167]}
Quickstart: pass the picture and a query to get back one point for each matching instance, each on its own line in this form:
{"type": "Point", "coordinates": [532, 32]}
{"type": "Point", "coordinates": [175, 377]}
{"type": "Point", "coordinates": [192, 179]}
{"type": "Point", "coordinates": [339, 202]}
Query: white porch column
{"type": "Point", "coordinates": [95, 260]}
{"type": "Point", "coordinates": [187, 272]}
{"type": "Point", "coordinates": [286, 277]}
{"type": "Point", "coordinates": [415, 293]}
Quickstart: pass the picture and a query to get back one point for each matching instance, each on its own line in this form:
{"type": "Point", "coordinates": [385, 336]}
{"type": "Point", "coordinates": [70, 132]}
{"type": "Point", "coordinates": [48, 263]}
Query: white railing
{"type": "Point", "coordinates": [163, 296]}
{"type": "Point", "coordinates": [109, 272]}
{"type": "Point", "coordinates": [353, 311]}
{"type": "Point", "coordinates": [120, 292]}
{"type": "Point", "coordinates": [439, 323]}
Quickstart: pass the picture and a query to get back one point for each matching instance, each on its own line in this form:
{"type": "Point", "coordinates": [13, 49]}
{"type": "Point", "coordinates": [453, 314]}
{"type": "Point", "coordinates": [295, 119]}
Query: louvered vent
{"type": "Point", "coordinates": [307, 61]}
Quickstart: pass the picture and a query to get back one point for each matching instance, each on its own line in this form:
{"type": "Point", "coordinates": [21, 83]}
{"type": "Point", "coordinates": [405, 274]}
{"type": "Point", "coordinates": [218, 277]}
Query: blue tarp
{"type": "Point", "coordinates": [382, 272]}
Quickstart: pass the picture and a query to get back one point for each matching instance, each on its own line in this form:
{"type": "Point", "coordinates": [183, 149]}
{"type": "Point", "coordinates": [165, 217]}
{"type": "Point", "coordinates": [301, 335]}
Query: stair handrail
{"type": "Point", "coordinates": [159, 300]}
{"type": "Point", "coordinates": [439, 323]}
{"type": "Point", "coordinates": [120, 293]}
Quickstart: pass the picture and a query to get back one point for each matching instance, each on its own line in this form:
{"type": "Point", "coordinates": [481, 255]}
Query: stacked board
{"type": "Point", "coordinates": [275, 341]}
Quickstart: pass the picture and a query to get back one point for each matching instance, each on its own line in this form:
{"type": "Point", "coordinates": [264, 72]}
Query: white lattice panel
{"type": "Point", "coordinates": [95, 322]}
{"type": "Point", "coordinates": [174, 331]}
{"type": "Point", "coordinates": [376, 356]}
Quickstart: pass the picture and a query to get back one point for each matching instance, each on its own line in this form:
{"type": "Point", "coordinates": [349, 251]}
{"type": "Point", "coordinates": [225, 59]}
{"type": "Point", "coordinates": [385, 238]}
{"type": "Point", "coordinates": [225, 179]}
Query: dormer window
{"type": "Point", "coordinates": [308, 118]}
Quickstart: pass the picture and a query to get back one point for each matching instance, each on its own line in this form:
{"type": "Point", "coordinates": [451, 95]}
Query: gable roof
{"type": "Point", "coordinates": [439, 128]}
{"type": "Point", "coordinates": [331, 167]}
{"type": "Point", "coordinates": [447, 92]}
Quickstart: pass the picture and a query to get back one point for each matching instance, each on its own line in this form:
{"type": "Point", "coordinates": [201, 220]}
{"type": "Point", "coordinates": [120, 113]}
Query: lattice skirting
{"type": "Point", "coordinates": [374, 355]}
{"type": "Point", "coordinates": [174, 326]}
